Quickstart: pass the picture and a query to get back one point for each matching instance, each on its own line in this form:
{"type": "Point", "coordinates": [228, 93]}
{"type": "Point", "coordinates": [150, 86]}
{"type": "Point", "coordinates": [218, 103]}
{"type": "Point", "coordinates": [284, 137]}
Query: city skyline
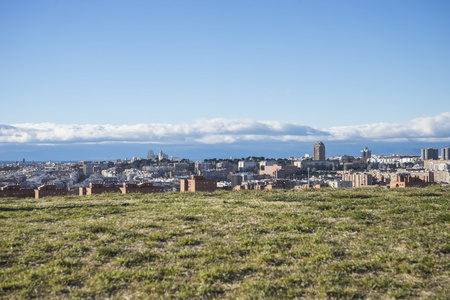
{"type": "Point", "coordinates": [221, 76]}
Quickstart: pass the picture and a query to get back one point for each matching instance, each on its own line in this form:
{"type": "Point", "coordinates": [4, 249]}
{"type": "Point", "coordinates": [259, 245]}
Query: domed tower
{"type": "Point", "coordinates": [366, 154]}
{"type": "Point", "coordinates": [319, 151]}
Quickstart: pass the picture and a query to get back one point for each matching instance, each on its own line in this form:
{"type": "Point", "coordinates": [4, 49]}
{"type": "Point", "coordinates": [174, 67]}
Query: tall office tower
{"type": "Point", "coordinates": [319, 151]}
{"type": "Point", "coordinates": [445, 153]}
{"type": "Point", "coordinates": [429, 153]}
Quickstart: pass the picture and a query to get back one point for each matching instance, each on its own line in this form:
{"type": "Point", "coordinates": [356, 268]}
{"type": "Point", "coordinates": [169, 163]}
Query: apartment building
{"type": "Point", "coordinates": [429, 153]}
{"type": "Point", "coordinates": [246, 166]}
{"type": "Point", "coordinates": [358, 179]}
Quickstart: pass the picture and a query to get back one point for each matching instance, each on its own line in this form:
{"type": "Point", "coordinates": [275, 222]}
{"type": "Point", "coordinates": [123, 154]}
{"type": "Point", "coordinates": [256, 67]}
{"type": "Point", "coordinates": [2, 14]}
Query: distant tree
{"type": "Point", "coordinates": [124, 165]}
{"type": "Point", "coordinates": [211, 160]}
{"type": "Point", "coordinates": [138, 164]}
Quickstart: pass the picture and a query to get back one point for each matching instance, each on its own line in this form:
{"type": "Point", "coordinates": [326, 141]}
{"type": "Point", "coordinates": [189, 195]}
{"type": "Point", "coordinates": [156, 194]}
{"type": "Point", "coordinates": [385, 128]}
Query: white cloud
{"type": "Point", "coordinates": [226, 131]}
{"type": "Point", "coordinates": [437, 127]}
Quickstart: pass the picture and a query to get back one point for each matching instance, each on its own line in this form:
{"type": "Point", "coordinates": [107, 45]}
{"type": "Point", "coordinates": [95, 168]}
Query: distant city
{"type": "Point", "coordinates": [159, 172]}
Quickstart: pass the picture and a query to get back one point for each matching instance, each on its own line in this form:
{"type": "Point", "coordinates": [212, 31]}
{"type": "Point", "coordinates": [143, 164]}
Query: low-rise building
{"type": "Point", "coordinates": [339, 184]}
{"type": "Point", "coordinates": [406, 181]}
{"type": "Point", "coordinates": [278, 171]}
{"type": "Point", "coordinates": [279, 184]}
{"type": "Point", "coordinates": [309, 186]}
{"type": "Point", "coordinates": [426, 176]}
{"type": "Point", "coordinates": [49, 190]}
{"type": "Point", "coordinates": [394, 160]}
{"type": "Point", "coordinates": [14, 190]}
{"type": "Point", "coordinates": [98, 188]}
{"type": "Point", "coordinates": [198, 183]}
{"type": "Point", "coordinates": [143, 188]}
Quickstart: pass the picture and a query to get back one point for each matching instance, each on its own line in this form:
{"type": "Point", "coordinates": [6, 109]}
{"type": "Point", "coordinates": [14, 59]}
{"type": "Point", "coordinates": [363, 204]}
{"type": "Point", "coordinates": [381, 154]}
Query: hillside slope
{"type": "Point", "coordinates": [348, 243]}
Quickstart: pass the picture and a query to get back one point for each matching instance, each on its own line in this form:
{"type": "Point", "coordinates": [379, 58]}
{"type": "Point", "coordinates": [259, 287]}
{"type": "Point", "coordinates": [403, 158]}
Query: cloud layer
{"type": "Point", "coordinates": [219, 131]}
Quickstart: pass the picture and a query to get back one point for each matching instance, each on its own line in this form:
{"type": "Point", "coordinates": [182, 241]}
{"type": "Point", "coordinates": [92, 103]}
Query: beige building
{"type": "Point", "coordinates": [436, 164]}
{"type": "Point", "coordinates": [441, 176]}
{"type": "Point", "coordinates": [358, 179]}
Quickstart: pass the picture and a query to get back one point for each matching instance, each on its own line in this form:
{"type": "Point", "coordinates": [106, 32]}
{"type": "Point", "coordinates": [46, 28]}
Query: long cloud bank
{"type": "Point", "coordinates": [218, 131]}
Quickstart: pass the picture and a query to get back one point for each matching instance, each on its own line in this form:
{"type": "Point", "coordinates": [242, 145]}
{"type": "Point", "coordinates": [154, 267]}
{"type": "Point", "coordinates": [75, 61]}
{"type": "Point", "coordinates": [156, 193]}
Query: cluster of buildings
{"type": "Point", "coordinates": [158, 174]}
{"type": "Point", "coordinates": [433, 154]}
{"type": "Point", "coordinates": [161, 156]}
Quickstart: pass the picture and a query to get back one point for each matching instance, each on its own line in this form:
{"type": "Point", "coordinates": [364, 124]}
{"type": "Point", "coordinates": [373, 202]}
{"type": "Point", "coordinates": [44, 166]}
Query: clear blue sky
{"type": "Point", "coordinates": [319, 63]}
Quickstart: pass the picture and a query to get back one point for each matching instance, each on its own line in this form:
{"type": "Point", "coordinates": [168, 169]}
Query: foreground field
{"type": "Point", "coordinates": [350, 243]}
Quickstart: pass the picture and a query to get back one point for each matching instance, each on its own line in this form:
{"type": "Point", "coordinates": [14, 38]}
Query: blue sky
{"type": "Point", "coordinates": [138, 71]}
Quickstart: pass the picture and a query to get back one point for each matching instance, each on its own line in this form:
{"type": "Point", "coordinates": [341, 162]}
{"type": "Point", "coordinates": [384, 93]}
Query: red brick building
{"type": "Point", "coordinates": [98, 188]}
{"type": "Point", "coordinates": [426, 176]}
{"type": "Point", "coordinates": [14, 190]}
{"type": "Point", "coordinates": [198, 184]}
{"type": "Point", "coordinates": [143, 188]}
{"type": "Point", "coordinates": [49, 190]}
{"type": "Point", "coordinates": [408, 181]}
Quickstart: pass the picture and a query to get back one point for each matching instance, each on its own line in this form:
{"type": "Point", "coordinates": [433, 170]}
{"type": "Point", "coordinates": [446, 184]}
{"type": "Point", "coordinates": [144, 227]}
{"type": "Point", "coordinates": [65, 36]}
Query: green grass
{"type": "Point", "coordinates": [347, 243]}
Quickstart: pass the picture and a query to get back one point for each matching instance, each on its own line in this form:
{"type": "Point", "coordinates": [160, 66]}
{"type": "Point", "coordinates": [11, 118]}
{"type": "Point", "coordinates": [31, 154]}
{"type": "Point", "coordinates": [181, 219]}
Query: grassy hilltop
{"type": "Point", "coordinates": [346, 243]}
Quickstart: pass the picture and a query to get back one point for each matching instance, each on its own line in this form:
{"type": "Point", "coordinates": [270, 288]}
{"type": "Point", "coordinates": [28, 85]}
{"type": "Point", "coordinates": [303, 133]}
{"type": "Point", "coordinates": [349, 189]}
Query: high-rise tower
{"type": "Point", "coordinates": [319, 151]}
{"type": "Point", "coordinates": [429, 153]}
{"type": "Point", "coordinates": [366, 154]}
{"type": "Point", "coordinates": [445, 153]}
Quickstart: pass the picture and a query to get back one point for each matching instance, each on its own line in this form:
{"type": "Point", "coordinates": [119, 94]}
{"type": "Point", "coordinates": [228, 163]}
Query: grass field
{"type": "Point", "coordinates": [347, 243]}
